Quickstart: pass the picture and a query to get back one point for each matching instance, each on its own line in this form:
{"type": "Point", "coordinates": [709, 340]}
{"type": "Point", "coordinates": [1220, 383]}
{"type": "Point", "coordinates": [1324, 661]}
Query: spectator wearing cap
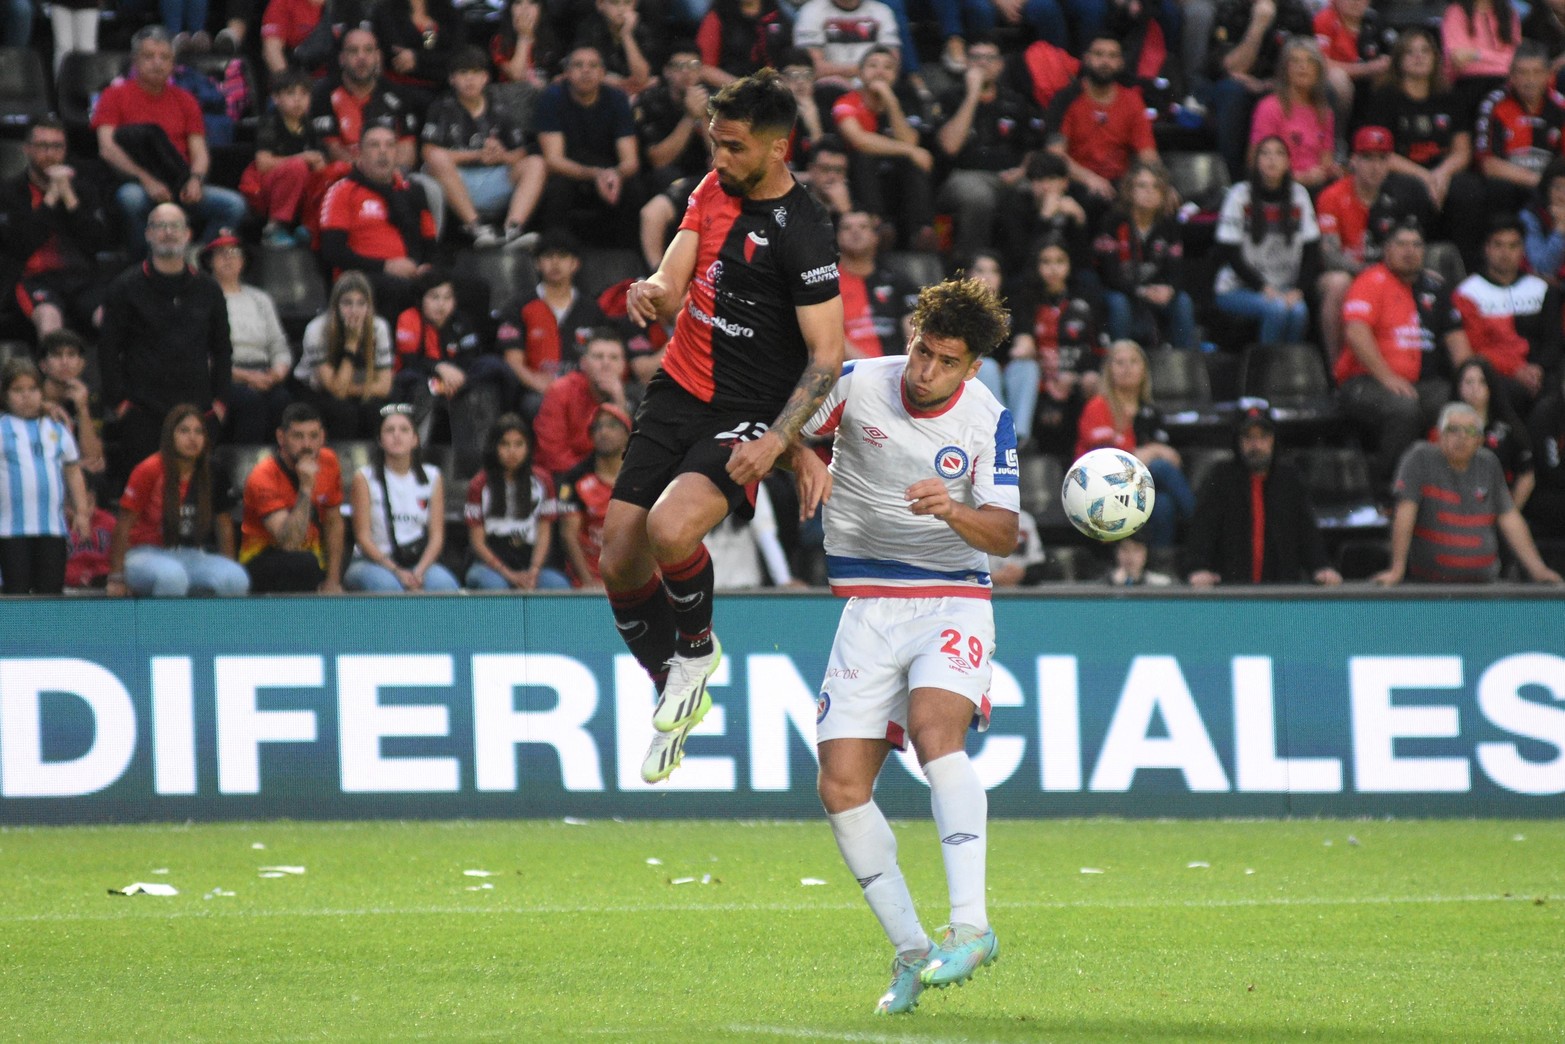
{"type": "Point", "coordinates": [588, 139]}
{"type": "Point", "coordinates": [476, 151]}
{"type": "Point", "coordinates": [51, 226]}
{"type": "Point", "coordinates": [1402, 340]}
{"type": "Point", "coordinates": [543, 333]}
{"type": "Point", "coordinates": [151, 133]}
{"type": "Point", "coordinates": [261, 355]}
{"type": "Point", "coordinates": [290, 173]}
{"type": "Point", "coordinates": [377, 222]}
{"type": "Point", "coordinates": [564, 425]}
{"type": "Point", "coordinates": [585, 492]}
{"type": "Point", "coordinates": [1511, 317]}
{"type": "Point", "coordinates": [1355, 213]}
{"type": "Point", "coordinates": [1254, 523]}
{"type": "Point", "coordinates": [1452, 505]}
{"type": "Point", "coordinates": [165, 341]}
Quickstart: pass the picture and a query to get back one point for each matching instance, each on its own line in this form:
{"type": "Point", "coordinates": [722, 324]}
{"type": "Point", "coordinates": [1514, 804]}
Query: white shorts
{"type": "Point", "coordinates": [887, 647]}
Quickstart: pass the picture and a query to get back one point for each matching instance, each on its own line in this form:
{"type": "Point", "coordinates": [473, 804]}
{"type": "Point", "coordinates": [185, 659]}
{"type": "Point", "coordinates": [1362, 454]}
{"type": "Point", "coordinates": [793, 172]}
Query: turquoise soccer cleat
{"type": "Point", "coordinates": [962, 950]}
{"type": "Point", "coordinates": [902, 995]}
{"type": "Point", "coordinates": [685, 700]}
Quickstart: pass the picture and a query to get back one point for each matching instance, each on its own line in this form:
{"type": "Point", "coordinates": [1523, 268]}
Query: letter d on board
{"type": "Point", "coordinates": [23, 770]}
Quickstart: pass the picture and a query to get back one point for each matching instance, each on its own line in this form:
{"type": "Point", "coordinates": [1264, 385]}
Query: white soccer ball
{"type": "Point", "coordinates": [1108, 494]}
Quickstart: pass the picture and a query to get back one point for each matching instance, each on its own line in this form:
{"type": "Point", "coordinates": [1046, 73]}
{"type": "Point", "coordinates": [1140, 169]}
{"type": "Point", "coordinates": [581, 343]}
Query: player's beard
{"type": "Point", "coordinates": [740, 187]}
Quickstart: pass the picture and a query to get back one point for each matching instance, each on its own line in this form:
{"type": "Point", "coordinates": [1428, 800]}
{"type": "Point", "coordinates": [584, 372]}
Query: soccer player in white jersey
{"type": "Point", "coordinates": [921, 489]}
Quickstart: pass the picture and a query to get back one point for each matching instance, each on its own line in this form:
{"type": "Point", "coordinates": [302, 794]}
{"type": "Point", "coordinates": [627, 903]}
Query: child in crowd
{"type": "Point", "coordinates": [39, 465]}
{"type": "Point", "coordinates": [290, 175]}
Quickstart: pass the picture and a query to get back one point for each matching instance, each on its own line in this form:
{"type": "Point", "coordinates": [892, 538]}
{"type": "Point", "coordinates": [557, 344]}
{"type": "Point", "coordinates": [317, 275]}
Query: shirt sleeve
{"type": "Point", "coordinates": [138, 488]}
{"type": "Point", "coordinates": [807, 256]}
{"type": "Point", "coordinates": [624, 121]}
{"type": "Point", "coordinates": [996, 470]}
{"type": "Point", "coordinates": [546, 117]}
{"type": "Point", "coordinates": [809, 30]}
{"type": "Point", "coordinates": [1230, 219]}
{"type": "Point", "coordinates": [1362, 304]}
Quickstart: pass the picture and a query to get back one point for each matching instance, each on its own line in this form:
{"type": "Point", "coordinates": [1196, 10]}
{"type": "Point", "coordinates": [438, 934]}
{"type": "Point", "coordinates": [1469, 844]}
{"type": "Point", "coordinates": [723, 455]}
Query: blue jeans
{"type": "Point", "coordinates": [218, 208]}
{"type": "Point", "coordinates": [364, 575]}
{"type": "Point", "coordinates": [1016, 386]}
{"type": "Point", "coordinates": [1281, 323]}
{"type": "Point", "coordinates": [1172, 502]}
{"type": "Point", "coordinates": [16, 23]}
{"type": "Point", "coordinates": [173, 572]}
{"type": "Point", "coordinates": [1142, 322]}
{"type": "Point", "coordinates": [481, 578]}
{"type": "Point", "coordinates": [183, 16]}
{"type": "Point", "coordinates": [1231, 103]}
{"type": "Point", "coordinates": [1045, 16]}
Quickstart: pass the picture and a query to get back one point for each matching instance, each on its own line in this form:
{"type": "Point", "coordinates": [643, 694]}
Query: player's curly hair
{"type": "Point", "coordinates": [963, 308]}
{"type": "Point", "coordinates": [762, 100]}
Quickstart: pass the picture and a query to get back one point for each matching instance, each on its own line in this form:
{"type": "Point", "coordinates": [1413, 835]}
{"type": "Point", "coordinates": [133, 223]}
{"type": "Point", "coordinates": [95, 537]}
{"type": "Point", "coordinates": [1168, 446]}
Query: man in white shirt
{"type": "Point", "coordinates": [922, 488]}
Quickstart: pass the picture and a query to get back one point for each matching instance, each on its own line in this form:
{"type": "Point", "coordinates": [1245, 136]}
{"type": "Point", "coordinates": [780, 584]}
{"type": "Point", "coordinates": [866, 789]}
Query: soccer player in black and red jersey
{"type": "Point", "coordinates": [758, 343]}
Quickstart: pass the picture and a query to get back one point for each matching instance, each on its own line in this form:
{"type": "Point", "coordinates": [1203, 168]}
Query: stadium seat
{"type": "Point", "coordinates": [1042, 474]}
{"type": "Point", "coordinates": [1292, 378]}
{"type": "Point", "coordinates": [1362, 559]}
{"type": "Point", "coordinates": [24, 90]}
{"type": "Point", "coordinates": [601, 269]}
{"type": "Point", "coordinates": [236, 462]}
{"type": "Point", "coordinates": [1199, 463]}
{"type": "Point", "coordinates": [918, 268]}
{"type": "Point", "coordinates": [1199, 177]}
{"type": "Point", "coordinates": [293, 277]}
{"type": "Point", "coordinates": [83, 76]}
{"type": "Point", "coordinates": [506, 272]}
{"type": "Point", "coordinates": [1339, 484]}
{"type": "Point", "coordinates": [14, 350]}
{"type": "Point", "coordinates": [1183, 391]}
{"type": "Point", "coordinates": [12, 159]}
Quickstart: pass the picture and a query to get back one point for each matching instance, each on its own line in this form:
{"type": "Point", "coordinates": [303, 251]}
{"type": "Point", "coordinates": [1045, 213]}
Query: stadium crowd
{"type": "Point", "coordinates": [327, 258]}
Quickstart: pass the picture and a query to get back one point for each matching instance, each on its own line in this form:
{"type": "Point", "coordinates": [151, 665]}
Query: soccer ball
{"type": "Point", "coordinates": [1108, 494]}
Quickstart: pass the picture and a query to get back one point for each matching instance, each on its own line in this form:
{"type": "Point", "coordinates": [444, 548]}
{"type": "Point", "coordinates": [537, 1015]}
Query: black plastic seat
{"type": "Point", "coordinates": [601, 269]}
{"type": "Point", "coordinates": [1292, 378]}
{"type": "Point", "coordinates": [293, 277]}
{"type": "Point", "coordinates": [1339, 484]}
{"type": "Point", "coordinates": [12, 159]}
{"type": "Point", "coordinates": [83, 76]}
{"type": "Point", "coordinates": [24, 89]}
{"type": "Point", "coordinates": [505, 272]}
{"type": "Point", "coordinates": [1182, 390]}
{"type": "Point", "coordinates": [1199, 177]}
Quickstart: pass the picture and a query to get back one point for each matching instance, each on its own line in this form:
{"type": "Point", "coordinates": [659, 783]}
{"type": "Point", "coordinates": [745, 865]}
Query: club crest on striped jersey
{"type": "Point", "coordinates": [753, 242]}
{"type": "Point", "coordinates": [951, 462]}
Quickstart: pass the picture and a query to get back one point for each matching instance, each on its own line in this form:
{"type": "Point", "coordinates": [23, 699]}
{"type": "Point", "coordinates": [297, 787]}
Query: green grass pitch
{"type": "Point", "coordinates": [1404, 931]}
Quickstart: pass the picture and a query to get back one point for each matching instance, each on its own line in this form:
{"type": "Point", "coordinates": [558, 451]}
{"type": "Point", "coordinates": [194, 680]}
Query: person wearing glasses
{"type": "Point", "coordinates": [1451, 500]}
{"type": "Point", "coordinates": [51, 226]}
{"type": "Point", "coordinates": [671, 120]}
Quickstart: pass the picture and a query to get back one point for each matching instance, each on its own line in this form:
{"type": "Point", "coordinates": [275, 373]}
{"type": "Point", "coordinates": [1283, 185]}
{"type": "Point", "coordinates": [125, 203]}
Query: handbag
{"type": "Point", "coordinates": [406, 556]}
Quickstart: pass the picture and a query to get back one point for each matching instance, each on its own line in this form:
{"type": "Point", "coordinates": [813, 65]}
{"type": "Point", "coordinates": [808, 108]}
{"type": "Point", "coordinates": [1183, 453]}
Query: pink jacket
{"type": "Point", "coordinates": [1494, 57]}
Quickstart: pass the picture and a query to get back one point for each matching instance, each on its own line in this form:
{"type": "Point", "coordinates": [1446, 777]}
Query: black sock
{"type": "Point", "coordinates": [646, 624]}
{"type": "Point", "coordinates": [689, 585]}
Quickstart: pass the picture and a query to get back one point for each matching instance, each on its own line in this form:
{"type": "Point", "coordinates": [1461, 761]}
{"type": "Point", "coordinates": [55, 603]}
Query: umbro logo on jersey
{"type": "Point", "coordinates": [873, 435]}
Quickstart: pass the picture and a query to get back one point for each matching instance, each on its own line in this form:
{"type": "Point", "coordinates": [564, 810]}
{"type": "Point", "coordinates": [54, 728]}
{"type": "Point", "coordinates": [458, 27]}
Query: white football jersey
{"type": "Point", "coordinates": [875, 545]}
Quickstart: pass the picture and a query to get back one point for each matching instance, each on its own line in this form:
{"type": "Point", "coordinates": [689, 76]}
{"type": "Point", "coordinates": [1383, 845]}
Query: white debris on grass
{"type": "Point", "coordinates": [280, 871]}
{"type": "Point", "coordinates": [1092, 870]}
{"type": "Point", "coordinates": [810, 882]}
{"type": "Point", "coordinates": [144, 888]}
{"type": "Point", "coordinates": [1199, 864]}
{"type": "Point", "coordinates": [478, 873]}
{"type": "Point", "coordinates": [654, 861]}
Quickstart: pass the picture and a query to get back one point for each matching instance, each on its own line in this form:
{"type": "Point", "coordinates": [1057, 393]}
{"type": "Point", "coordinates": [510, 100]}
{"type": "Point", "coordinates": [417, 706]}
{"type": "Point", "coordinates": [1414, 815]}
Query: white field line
{"type": "Point", "coordinates": [146, 908]}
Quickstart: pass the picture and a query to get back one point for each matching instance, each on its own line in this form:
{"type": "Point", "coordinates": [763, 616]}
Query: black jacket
{"type": "Point", "coordinates": [165, 340]}
{"type": "Point", "coordinates": [1220, 534]}
{"type": "Point", "coordinates": [25, 228]}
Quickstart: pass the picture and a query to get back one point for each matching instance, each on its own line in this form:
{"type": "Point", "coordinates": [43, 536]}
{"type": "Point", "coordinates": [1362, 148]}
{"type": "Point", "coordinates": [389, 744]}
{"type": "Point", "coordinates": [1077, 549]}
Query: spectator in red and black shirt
{"type": "Point", "coordinates": [889, 169]}
{"type": "Point", "coordinates": [1356, 51]}
{"type": "Point", "coordinates": [564, 423]}
{"type": "Point", "coordinates": [740, 37]}
{"type": "Point", "coordinates": [874, 300]}
{"type": "Point", "coordinates": [51, 226]}
{"type": "Point", "coordinates": [1055, 344]}
{"type": "Point", "coordinates": [290, 175]}
{"type": "Point", "coordinates": [377, 222]}
{"type": "Point", "coordinates": [1521, 127]}
{"type": "Point", "coordinates": [1512, 318]}
{"type": "Point", "coordinates": [585, 493]}
{"type": "Point", "coordinates": [1141, 259]}
{"type": "Point", "coordinates": [341, 109]}
{"type": "Point", "coordinates": [758, 345]}
{"type": "Point", "coordinates": [544, 331]}
{"type": "Point", "coordinates": [1416, 105]}
{"type": "Point", "coordinates": [987, 135]}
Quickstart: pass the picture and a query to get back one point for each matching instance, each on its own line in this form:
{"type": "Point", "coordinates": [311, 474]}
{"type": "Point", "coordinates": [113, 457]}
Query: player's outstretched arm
{"type": "Point", "coordinates": [822, 326]}
{"type": "Point", "coordinates": [657, 297]}
{"type": "Point", "coordinates": [991, 528]}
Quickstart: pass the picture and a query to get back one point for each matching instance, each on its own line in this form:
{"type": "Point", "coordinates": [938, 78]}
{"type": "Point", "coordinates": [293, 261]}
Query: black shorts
{"type": "Point", "coordinates": [677, 433]}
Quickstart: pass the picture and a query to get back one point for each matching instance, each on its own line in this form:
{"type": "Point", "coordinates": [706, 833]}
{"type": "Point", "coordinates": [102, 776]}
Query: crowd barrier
{"type": "Point", "coordinates": [1286, 702]}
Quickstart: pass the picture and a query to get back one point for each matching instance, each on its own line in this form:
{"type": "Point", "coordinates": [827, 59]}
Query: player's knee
{"type": "Point", "coordinates": [674, 537]}
{"type": "Point", "coordinates": [839, 793]}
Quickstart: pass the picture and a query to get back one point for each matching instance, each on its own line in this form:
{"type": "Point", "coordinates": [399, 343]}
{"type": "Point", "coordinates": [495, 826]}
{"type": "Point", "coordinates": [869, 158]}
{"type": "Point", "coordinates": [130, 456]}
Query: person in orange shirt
{"type": "Point", "coordinates": [291, 536]}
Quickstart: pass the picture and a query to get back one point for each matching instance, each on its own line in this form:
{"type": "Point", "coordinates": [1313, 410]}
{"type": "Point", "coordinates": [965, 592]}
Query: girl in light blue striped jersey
{"type": "Point", "coordinates": [39, 465]}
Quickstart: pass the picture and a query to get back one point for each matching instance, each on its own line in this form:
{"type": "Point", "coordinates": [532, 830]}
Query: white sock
{"type": "Point", "coordinates": [961, 815]}
{"type": "Point", "coordinates": [870, 849]}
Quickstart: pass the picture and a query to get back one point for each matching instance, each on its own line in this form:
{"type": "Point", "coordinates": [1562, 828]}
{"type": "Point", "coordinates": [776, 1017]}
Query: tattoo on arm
{"type": "Point", "coordinates": [814, 385]}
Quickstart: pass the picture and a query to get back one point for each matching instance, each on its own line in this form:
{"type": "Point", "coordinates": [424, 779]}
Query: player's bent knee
{"type": "Point", "coordinates": [838, 793]}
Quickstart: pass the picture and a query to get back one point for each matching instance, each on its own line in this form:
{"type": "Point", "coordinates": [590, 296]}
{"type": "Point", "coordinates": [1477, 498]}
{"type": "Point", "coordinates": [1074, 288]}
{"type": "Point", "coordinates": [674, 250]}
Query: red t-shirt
{"type": "Point", "coordinates": [851, 106]}
{"type": "Point", "coordinates": [563, 428]}
{"type": "Point", "coordinates": [268, 490]}
{"type": "Point", "coordinates": [858, 319]}
{"type": "Point", "coordinates": [1106, 139]}
{"type": "Point", "coordinates": [173, 108]}
{"type": "Point", "coordinates": [1340, 212]}
{"type": "Point", "coordinates": [1096, 428]}
{"type": "Point", "coordinates": [589, 496]}
{"type": "Point", "coordinates": [353, 208]}
{"type": "Point", "coordinates": [290, 21]}
{"type": "Point", "coordinates": [1379, 298]}
{"type": "Point", "coordinates": [143, 498]}
{"type": "Point", "coordinates": [1337, 42]}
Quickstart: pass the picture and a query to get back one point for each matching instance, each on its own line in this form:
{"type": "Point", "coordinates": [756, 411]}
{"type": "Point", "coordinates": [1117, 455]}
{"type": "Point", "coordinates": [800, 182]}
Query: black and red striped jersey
{"type": "Point", "coordinates": [737, 342]}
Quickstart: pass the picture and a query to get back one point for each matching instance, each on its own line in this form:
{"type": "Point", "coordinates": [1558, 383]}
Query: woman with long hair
{"type": "Point", "coordinates": [1141, 259]}
{"type": "Point", "coordinates": [1476, 384]}
{"type": "Point", "coordinates": [173, 510]}
{"type": "Point", "coordinates": [1268, 248]}
{"type": "Point", "coordinates": [1298, 112]}
{"type": "Point", "coordinates": [1122, 416]}
{"type": "Point", "coordinates": [1415, 103]}
{"type": "Point", "coordinates": [399, 520]}
{"type": "Point", "coordinates": [510, 515]}
{"type": "Point", "coordinates": [1052, 364]}
{"type": "Point", "coordinates": [1480, 38]}
{"type": "Point", "coordinates": [347, 362]}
